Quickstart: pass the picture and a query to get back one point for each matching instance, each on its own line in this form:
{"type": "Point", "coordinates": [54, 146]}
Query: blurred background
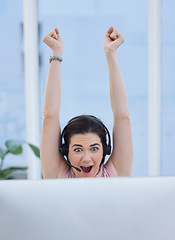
{"type": "Point", "coordinates": [85, 85]}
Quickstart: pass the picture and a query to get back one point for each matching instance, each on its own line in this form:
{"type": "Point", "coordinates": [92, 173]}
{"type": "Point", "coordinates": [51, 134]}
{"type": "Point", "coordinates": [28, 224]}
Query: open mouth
{"type": "Point", "coordinates": [86, 169]}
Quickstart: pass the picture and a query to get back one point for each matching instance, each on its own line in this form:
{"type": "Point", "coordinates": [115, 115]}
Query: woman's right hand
{"type": "Point", "coordinates": [54, 41]}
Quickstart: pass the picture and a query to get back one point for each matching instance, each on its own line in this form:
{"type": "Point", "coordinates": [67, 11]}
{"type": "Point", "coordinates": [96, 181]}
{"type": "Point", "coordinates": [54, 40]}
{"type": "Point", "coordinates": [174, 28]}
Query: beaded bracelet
{"type": "Point", "coordinates": [55, 58]}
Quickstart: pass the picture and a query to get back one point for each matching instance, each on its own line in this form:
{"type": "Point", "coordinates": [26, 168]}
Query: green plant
{"type": "Point", "coordinates": [14, 147]}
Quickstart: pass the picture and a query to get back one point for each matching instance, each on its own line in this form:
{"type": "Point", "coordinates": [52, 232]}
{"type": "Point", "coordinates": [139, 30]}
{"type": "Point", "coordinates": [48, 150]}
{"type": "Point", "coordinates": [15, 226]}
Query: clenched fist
{"type": "Point", "coordinates": [112, 40]}
{"type": "Point", "coordinates": [54, 41]}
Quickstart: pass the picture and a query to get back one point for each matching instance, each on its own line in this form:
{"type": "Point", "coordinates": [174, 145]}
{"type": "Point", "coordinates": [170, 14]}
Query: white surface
{"type": "Point", "coordinates": [154, 88]}
{"type": "Point", "coordinates": [104, 208]}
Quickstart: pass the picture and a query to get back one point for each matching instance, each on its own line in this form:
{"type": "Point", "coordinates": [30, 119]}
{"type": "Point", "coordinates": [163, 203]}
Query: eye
{"type": "Point", "coordinates": [94, 149]}
{"type": "Point", "coordinates": [77, 150]}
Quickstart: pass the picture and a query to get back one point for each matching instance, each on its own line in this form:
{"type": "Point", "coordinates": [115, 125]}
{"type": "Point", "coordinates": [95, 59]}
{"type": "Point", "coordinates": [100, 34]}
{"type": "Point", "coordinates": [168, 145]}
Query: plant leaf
{"type": "Point", "coordinates": [10, 178]}
{"type": "Point", "coordinates": [35, 150]}
{"type": "Point", "coordinates": [3, 152]}
{"type": "Point", "coordinates": [5, 172]}
{"type": "Point", "coordinates": [14, 146]}
{"type": "Point", "coordinates": [1, 174]}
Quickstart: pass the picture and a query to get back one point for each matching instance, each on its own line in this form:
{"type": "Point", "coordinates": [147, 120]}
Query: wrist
{"type": "Point", "coordinates": [110, 54]}
{"type": "Point", "coordinates": [57, 53]}
{"type": "Point", "coordinates": [55, 58]}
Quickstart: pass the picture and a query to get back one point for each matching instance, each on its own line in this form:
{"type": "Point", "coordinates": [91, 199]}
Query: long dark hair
{"type": "Point", "coordinates": [81, 125]}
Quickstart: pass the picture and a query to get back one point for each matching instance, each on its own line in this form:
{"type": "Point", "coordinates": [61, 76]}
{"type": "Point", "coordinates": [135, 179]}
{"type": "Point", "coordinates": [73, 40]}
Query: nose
{"type": "Point", "coordinates": [86, 157]}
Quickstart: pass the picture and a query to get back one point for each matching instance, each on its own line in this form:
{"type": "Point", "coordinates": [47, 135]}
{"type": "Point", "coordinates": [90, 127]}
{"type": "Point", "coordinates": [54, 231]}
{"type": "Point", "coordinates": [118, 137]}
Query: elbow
{"type": "Point", "coordinates": [50, 114]}
{"type": "Point", "coordinates": [121, 114]}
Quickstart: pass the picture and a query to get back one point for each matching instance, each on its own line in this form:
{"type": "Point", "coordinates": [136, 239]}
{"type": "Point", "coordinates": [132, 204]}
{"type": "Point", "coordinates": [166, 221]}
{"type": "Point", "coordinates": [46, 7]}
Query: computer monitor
{"type": "Point", "coordinates": [123, 208]}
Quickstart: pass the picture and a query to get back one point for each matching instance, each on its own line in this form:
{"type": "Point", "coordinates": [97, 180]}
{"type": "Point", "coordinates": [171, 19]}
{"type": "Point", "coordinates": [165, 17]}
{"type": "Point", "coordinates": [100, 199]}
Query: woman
{"type": "Point", "coordinates": [85, 145]}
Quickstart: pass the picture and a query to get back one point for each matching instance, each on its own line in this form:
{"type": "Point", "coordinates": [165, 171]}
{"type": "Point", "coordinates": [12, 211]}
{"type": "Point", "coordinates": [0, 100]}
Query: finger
{"type": "Point", "coordinates": [56, 30]}
{"type": "Point", "coordinates": [57, 33]}
{"type": "Point", "coordinates": [113, 36]}
{"type": "Point", "coordinates": [118, 41]}
{"type": "Point", "coordinates": [53, 34]}
{"type": "Point", "coordinates": [109, 31]}
{"type": "Point", "coordinates": [116, 35]}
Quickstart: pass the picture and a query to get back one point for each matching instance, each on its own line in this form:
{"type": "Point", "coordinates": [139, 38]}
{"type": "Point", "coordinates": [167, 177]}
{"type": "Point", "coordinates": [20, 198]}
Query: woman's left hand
{"type": "Point", "coordinates": [112, 40]}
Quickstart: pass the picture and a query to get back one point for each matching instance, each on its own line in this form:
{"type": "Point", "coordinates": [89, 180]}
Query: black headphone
{"type": "Point", "coordinates": [107, 148]}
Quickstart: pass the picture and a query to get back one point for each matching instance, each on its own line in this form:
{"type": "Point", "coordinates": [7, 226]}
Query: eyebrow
{"type": "Point", "coordinates": [79, 145]}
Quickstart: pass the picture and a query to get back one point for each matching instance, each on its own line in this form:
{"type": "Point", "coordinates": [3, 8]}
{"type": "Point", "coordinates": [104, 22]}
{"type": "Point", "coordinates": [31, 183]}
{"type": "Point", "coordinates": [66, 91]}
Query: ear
{"type": "Point", "coordinates": [63, 150]}
{"type": "Point", "coordinates": [107, 150]}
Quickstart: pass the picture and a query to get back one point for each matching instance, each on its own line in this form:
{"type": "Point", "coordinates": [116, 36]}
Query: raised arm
{"type": "Point", "coordinates": [51, 160]}
{"type": "Point", "coordinates": [121, 158]}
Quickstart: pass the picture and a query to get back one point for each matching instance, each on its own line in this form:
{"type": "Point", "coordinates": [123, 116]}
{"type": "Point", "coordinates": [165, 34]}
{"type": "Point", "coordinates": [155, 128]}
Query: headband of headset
{"type": "Point", "coordinates": [63, 148]}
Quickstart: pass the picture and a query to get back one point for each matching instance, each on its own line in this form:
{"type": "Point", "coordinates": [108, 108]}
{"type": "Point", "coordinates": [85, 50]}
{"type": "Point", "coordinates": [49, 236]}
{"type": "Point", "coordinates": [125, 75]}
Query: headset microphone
{"type": "Point", "coordinates": [78, 169]}
{"type": "Point", "coordinates": [62, 150]}
{"type": "Point", "coordinates": [68, 162]}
